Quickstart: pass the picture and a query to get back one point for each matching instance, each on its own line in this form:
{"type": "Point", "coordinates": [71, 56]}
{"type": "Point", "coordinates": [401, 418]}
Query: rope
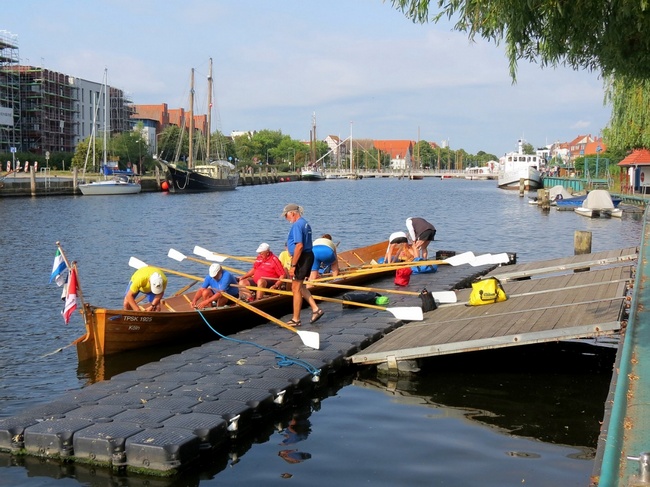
{"type": "Point", "coordinates": [282, 359]}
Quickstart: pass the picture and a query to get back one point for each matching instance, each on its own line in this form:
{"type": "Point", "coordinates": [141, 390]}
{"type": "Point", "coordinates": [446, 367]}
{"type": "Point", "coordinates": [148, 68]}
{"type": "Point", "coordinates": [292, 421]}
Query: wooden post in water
{"type": "Point", "coordinates": [32, 180]}
{"type": "Point", "coordinates": [544, 199]}
{"type": "Point", "coordinates": [522, 187]}
{"type": "Point", "coordinates": [75, 186]}
{"type": "Point", "coordinates": [581, 245]}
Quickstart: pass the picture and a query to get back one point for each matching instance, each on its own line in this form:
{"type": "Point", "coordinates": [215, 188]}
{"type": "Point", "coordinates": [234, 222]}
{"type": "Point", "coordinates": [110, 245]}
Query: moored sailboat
{"type": "Point", "coordinates": [217, 175]}
{"type": "Point", "coordinates": [120, 183]}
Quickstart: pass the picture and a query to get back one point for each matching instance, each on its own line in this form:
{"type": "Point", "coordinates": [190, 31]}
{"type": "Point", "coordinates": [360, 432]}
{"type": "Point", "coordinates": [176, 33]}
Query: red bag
{"type": "Point", "coordinates": [403, 276]}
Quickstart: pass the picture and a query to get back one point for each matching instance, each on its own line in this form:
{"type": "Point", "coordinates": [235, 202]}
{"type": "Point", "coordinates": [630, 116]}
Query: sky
{"type": "Point", "coordinates": [359, 66]}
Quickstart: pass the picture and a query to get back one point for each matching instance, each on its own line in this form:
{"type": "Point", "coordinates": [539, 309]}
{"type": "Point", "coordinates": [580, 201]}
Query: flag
{"type": "Point", "coordinates": [58, 269]}
{"type": "Point", "coordinates": [71, 298]}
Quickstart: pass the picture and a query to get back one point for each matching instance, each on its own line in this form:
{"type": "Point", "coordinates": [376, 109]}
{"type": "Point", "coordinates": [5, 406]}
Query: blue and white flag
{"type": "Point", "coordinates": [59, 269]}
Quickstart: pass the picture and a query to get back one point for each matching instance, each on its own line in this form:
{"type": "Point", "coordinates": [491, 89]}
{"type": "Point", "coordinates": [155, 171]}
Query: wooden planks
{"type": "Point", "coordinates": [570, 305]}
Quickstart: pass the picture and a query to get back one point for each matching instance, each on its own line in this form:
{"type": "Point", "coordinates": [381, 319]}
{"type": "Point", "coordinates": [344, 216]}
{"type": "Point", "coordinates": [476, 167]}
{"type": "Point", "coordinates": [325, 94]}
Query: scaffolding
{"type": "Point", "coordinates": [10, 127]}
{"type": "Point", "coordinates": [48, 110]}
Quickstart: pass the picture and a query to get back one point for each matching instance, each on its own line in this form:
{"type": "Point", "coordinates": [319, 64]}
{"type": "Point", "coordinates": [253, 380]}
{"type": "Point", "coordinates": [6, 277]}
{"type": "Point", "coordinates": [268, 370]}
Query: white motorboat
{"type": "Point", "coordinates": [598, 203]}
{"type": "Point", "coordinates": [515, 166]}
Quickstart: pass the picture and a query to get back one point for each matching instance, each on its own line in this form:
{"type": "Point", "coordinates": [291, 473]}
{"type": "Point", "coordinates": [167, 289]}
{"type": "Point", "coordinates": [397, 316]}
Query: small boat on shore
{"type": "Point", "coordinates": [110, 331]}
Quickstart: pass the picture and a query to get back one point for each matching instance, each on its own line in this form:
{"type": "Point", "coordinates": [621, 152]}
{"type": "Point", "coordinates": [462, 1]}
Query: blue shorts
{"type": "Point", "coordinates": [323, 256]}
{"type": "Point", "coordinates": [150, 296]}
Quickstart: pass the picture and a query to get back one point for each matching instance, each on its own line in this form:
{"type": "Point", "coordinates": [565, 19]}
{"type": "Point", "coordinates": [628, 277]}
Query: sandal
{"type": "Point", "coordinates": [316, 315]}
{"type": "Point", "coordinates": [293, 322]}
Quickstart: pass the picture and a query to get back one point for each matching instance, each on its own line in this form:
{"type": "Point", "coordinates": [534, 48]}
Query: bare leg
{"type": "Point", "coordinates": [296, 287]}
{"type": "Point", "coordinates": [309, 298]}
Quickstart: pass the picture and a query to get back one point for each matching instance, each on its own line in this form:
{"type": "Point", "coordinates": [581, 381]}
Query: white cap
{"type": "Point", "coordinates": [398, 237]}
{"type": "Point", "coordinates": [214, 270]}
{"type": "Point", "coordinates": [156, 283]}
{"type": "Point", "coordinates": [263, 247]}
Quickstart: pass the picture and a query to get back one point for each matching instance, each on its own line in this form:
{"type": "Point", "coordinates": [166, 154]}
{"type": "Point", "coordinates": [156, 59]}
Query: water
{"type": "Point", "coordinates": [507, 418]}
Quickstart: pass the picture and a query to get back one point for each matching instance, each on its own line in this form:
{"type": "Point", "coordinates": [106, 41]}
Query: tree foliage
{"type": "Point", "coordinates": [600, 35]}
{"type": "Point", "coordinates": [629, 126]}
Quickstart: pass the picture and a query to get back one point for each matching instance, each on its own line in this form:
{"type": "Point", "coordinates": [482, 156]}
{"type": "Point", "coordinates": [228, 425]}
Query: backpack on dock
{"type": "Point", "coordinates": [487, 291]}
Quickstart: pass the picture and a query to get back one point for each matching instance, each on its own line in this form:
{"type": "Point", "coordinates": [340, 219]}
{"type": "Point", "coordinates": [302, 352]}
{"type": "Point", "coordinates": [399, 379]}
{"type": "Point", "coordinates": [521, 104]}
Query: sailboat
{"type": "Point", "coordinates": [217, 175]}
{"type": "Point", "coordinates": [121, 183]}
{"type": "Point", "coordinates": [312, 172]}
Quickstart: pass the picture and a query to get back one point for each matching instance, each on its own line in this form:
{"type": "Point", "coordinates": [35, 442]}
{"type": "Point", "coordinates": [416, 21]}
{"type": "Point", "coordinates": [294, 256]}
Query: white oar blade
{"type": "Point", "coordinates": [207, 254]}
{"type": "Point", "coordinates": [309, 338]}
{"type": "Point", "coordinates": [480, 260]}
{"type": "Point", "coordinates": [176, 255]}
{"type": "Point", "coordinates": [502, 258]}
{"type": "Point", "coordinates": [445, 296]}
{"type": "Point", "coordinates": [136, 263]}
{"type": "Point", "coordinates": [464, 258]}
{"type": "Point", "coordinates": [411, 313]}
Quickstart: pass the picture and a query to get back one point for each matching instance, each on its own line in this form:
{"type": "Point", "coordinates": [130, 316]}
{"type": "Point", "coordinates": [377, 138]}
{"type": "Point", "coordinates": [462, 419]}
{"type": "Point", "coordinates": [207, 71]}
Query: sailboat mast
{"type": "Point", "coordinates": [190, 157]}
{"type": "Point", "coordinates": [105, 114]}
{"type": "Point", "coordinates": [207, 138]}
{"type": "Point", "coordinates": [312, 142]}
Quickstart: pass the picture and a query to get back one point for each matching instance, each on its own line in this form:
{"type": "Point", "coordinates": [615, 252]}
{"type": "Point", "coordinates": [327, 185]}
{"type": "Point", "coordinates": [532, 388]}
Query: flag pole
{"type": "Point", "coordinates": [74, 265]}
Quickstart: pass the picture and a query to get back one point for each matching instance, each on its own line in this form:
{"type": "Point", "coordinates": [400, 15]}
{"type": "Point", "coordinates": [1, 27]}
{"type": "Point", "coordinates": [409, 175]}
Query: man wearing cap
{"type": "Point", "coordinates": [299, 245]}
{"type": "Point", "coordinates": [216, 281]}
{"type": "Point", "coordinates": [422, 232]}
{"type": "Point", "coordinates": [149, 280]}
{"type": "Point", "coordinates": [399, 248]}
{"type": "Point", "coordinates": [267, 268]}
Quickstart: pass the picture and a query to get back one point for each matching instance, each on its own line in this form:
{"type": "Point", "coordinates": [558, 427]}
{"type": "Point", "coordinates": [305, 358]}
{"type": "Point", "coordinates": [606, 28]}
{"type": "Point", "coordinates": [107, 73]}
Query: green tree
{"type": "Point", "coordinates": [629, 126]}
{"type": "Point", "coordinates": [611, 37]}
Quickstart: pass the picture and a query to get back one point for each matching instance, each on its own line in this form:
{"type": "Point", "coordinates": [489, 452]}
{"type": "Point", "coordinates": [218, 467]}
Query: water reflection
{"type": "Point", "coordinates": [551, 392]}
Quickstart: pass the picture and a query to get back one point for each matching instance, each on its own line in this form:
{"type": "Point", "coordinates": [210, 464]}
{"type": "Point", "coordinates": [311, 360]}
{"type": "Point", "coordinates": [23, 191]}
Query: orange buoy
{"type": "Point", "coordinates": [164, 186]}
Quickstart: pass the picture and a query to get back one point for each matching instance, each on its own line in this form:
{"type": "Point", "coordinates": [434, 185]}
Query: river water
{"type": "Point", "coordinates": [500, 418]}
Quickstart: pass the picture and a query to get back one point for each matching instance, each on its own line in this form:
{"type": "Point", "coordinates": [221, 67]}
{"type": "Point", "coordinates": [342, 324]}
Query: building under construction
{"type": "Point", "coordinates": [10, 134]}
{"type": "Point", "coordinates": [45, 111]}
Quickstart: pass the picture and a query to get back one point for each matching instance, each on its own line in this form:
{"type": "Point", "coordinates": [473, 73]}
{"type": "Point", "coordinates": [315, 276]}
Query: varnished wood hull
{"type": "Point", "coordinates": [111, 331]}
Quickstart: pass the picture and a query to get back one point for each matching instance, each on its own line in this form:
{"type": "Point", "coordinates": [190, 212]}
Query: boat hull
{"type": "Point", "coordinates": [512, 179]}
{"type": "Point", "coordinates": [599, 212]}
{"type": "Point", "coordinates": [109, 188]}
{"type": "Point", "coordinates": [312, 175]}
{"type": "Point", "coordinates": [111, 331]}
{"type": "Point", "coordinates": [186, 180]}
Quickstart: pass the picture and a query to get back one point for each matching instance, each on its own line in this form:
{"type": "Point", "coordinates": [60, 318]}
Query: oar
{"type": "Point", "coordinates": [213, 256]}
{"type": "Point", "coordinates": [138, 264]}
{"type": "Point", "coordinates": [411, 313]}
{"type": "Point", "coordinates": [309, 338]}
{"type": "Point", "coordinates": [440, 296]}
{"type": "Point", "coordinates": [176, 255]}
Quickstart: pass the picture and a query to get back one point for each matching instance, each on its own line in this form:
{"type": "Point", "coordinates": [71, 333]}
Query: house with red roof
{"type": "Point", "coordinates": [400, 151]}
{"type": "Point", "coordinates": [635, 178]}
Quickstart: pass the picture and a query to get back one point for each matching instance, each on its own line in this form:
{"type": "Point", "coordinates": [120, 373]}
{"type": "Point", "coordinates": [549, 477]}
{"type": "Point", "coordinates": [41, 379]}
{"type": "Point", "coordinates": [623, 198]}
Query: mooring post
{"type": "Point", "coordinates": [32, 180]}
{"type": "Point", "coordinates": [522, 186]}
{"type": "Point", "coordinates": [581, 245]}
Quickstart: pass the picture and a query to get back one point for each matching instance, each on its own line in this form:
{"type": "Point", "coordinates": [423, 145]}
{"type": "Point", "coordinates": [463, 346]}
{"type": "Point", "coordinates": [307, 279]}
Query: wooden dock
{"type": "Point", "coordinates": [548, 301]}
{"type": "Point", "coordinates": [166, 415]}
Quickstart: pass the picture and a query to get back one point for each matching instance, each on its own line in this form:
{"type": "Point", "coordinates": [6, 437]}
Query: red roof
{"type": "Point", "coordinates": [638, 157]}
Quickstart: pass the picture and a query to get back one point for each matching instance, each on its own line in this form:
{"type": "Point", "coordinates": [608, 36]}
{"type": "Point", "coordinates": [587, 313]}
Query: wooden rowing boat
{"type": "Point", "coordinates": [111, 331]}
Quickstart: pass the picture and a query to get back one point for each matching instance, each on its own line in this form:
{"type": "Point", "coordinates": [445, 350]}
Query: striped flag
{"type": "Point", "coordinates": [58, 269]}
{"type": "Point", "coordinates": [71, 297]}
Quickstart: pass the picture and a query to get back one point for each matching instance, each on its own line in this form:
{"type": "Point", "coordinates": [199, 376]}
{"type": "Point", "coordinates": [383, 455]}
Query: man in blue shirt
{"type": "Point", "coordinates": [299, 244]}
{"type": "Point", "coordinates": [216, 281]}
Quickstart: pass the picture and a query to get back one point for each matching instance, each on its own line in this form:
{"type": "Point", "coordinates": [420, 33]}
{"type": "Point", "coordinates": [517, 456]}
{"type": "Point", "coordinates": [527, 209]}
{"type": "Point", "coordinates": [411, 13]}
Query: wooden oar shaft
{"type": "Point", "coordinates": [356, 288]}
{"type": "Point", "coordinates": [318, 298]}
{"type": "Point", "coordinates": [207, 262]}
{"type": "Point", "coordinates": [263, 314]}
